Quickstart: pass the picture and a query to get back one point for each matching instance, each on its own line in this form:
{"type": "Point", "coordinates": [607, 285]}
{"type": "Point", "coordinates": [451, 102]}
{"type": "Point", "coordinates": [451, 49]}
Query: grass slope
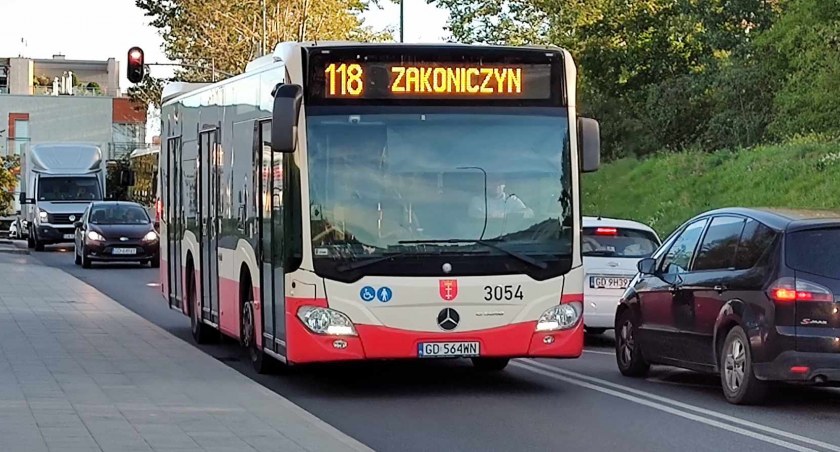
{"type": "Point", "coordinates": [665, 190]}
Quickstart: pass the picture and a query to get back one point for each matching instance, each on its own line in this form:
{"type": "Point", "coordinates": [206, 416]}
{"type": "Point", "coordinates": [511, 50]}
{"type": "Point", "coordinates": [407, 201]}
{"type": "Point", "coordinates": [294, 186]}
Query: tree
{"type": "Point", "coordinates": [9, 170]}
{"type": "Point", "coordinates": [226, 34]}
{"type": "Point", "coordinates": [647, 67]}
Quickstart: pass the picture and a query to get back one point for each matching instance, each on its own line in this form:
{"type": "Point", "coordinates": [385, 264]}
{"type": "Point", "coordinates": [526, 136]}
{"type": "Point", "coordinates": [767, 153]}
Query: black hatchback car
{"type": "Point", "coordinates": [745, 293]}
{"type": "Point", "coordinates": [116, 231]}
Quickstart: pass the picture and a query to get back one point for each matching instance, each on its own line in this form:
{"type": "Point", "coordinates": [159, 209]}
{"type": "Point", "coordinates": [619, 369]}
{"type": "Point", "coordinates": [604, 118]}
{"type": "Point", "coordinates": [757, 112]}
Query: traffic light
{"type": "Point", "coordinates": [136, 67]}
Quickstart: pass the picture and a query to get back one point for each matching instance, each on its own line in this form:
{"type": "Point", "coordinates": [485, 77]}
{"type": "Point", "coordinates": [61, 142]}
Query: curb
{"type": "Point", "coordinates": [13, 250]}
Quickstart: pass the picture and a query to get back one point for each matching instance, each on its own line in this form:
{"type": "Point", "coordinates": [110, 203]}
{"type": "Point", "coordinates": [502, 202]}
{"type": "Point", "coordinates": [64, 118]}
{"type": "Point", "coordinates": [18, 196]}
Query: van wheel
{"type": "Point", "coordinates": [740, 386]}
{"type": "Point", "coordinates": [628, 352]}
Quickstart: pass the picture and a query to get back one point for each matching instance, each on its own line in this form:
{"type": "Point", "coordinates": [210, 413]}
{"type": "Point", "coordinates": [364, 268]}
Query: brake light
{"type": "Point", "coordinates": [606, 231]}
{"type": "Point", "coordinates": [787, 290]}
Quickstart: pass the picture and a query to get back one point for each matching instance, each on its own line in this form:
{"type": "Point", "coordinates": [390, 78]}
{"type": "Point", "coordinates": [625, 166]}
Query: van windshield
{"type": "Point", "coordinates": [68, 189]}
{"type": "Point", "coordinates": [618, 242]}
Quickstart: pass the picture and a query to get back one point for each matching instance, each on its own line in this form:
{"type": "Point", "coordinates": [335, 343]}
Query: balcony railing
{"type": "Point", "coordinates": [77, 91]}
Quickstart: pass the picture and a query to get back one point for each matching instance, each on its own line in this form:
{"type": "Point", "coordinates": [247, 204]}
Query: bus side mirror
{"type": "Point", "coordinates": [589, 141]}
{"type": "Point", "coordinates": [287, 100]}
{"type": "Point", "coordinates": [22, 198]}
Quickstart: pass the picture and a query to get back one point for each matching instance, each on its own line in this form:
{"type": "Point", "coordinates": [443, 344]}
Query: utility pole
{"type": "Point", "coordinates": [262, 44]}
{"type": "Point", "coordinates": [402, 20]}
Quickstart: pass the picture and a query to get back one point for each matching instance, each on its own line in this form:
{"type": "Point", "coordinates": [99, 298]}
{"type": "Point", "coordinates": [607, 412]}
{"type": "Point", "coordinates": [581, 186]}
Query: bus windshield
{"type": "Point", "coordinates": [68, 189]}
{"type": "Point", "coordinates": [405, 182]}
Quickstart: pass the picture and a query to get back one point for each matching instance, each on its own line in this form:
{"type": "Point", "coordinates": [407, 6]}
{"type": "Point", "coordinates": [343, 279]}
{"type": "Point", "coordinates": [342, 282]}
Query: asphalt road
{"type": "Point", "coordinates": [577, 405]}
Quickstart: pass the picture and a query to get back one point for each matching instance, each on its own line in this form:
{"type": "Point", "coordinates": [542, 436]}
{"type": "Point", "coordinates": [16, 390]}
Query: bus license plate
{"type": "Point", "coordinates": [447, 349]}
{"type": "Point", "coordinates": [608, 282]}
{"type": "Point", "coordinates": [124, 251]}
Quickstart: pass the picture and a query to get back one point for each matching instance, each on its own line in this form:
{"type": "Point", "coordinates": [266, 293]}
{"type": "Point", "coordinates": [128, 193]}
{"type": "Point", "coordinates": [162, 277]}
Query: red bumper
{"type": "Point", "coordinates": [379, 342]}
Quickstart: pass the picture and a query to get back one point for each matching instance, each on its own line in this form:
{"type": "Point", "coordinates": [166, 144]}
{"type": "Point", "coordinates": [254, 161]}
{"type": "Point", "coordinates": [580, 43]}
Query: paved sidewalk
{"type": "Point", "coordinates": [79, 372]}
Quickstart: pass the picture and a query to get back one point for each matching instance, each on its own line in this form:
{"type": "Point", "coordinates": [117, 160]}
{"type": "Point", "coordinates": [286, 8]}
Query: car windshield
{"type": "Point", "coordinates": [380, 181]}
{"type": "Point", "coordinates": [618, 242]}
{"type": "Point", "coordinates": [118, 214]}
{"type": "Point", "coordinates": [68, 189]}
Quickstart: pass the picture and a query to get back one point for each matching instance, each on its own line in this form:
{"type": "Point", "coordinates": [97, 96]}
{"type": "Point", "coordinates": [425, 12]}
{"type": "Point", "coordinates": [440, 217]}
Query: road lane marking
{"type": "Point", "coordinates": [599, 352]}
{"type": "Point", "coordinates": [571, 376]}
{"type": "Point", "coordinates": [665, 408]}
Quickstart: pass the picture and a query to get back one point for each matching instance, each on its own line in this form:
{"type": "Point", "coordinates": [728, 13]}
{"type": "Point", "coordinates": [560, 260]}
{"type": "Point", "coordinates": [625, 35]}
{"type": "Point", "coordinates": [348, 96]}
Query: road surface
{"type": "Point", "coordinates": [578, 405]}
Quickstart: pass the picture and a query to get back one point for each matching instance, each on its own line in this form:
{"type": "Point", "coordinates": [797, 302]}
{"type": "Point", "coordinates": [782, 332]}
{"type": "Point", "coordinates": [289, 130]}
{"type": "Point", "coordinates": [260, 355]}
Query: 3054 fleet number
{"type": "Point", "coordinates": [508, 292]}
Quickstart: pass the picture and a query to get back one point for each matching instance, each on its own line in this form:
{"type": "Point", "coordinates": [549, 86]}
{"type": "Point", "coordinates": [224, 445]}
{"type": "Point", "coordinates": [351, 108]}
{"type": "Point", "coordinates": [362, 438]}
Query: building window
{"type": "Point", "coordinates": [21, 138]}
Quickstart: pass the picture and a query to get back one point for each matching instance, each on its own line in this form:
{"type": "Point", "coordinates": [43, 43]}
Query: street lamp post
{"type": "Point", "coordinates": [402, 13]}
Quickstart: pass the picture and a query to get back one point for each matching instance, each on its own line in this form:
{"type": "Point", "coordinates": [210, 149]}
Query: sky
{"type": "Point", "coordinates": [42, 31]}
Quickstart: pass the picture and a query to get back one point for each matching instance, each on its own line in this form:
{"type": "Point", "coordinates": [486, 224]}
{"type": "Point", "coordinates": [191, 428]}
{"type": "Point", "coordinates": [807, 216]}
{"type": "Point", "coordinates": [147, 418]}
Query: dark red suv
{"type": "Point", "coordinates": [745, 293]}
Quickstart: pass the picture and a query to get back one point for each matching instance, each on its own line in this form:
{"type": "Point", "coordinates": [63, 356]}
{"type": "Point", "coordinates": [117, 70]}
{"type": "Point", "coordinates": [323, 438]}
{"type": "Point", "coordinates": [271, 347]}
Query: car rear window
{"type": "Point", "coordinates": [815, 251]}
{"type": "Point", "coordinates": [618, 242]}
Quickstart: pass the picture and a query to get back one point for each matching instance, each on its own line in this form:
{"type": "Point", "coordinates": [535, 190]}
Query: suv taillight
{"type": "Point", "coordinates": [788, 290]}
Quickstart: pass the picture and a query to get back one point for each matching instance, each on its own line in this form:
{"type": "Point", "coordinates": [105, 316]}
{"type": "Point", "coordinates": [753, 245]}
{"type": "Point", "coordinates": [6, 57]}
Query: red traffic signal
{"type": "Point", "coordinates": [136, 67]}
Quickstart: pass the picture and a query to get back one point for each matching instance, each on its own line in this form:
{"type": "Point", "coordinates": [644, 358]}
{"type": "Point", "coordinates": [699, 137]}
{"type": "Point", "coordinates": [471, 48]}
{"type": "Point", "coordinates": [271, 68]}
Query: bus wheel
{"type": "Point", "coordinates": [261, 363]}
{"type": "Point", "coordinates": [200, 332]}
{"type": "Point", "coordinates": [490, 364]}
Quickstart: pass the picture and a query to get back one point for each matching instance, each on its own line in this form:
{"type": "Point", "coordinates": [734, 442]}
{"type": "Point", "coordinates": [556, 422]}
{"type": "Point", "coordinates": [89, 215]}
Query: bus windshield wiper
{"type": "Point", "coordinates": [488, 243]}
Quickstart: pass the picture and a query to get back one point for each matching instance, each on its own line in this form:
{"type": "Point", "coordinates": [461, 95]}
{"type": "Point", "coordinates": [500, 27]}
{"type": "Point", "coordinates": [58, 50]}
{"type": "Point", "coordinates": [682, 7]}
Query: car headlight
{"type": "Point", "coordinates": [560, 317]}
{"type": "Point", "coordinates": [150, 237]}
{"type": "Point", "coordinates": [95, 236]}
{"type": "Point", "coordinates": [326, 321]}
{"type": "Point", "coordinates": [42, 215]}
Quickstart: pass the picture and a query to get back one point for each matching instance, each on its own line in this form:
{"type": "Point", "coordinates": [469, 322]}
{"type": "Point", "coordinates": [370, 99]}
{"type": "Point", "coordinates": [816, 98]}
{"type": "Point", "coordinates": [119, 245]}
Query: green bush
{"type": "Point", "coordinates": [666, 189]}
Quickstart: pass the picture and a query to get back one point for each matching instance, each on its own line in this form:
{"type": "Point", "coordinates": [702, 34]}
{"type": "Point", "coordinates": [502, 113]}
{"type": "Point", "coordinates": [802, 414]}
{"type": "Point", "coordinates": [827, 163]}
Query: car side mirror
{"type": "Point", "coordinates": [284, 122]}
{"type": "Point", "coordinates": [646, 266]}
{"type": "Point", "coordinates": [589, 143]}
{"type": "Point", "coordinates": [77, 224]}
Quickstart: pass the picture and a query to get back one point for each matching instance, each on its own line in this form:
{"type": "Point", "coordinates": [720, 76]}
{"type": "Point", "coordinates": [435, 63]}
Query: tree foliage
{"type": "Point", "coordinates": [658, 74]}
{"type": "Point", "coordinates": [226, 34]}
{"type": "Point", "coordinates": [9, 170]}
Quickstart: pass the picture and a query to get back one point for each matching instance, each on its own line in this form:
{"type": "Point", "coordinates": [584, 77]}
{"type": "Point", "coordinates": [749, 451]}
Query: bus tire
{"type": "Point", "coordinates": [262, 363]}
{"type": "Point", "coordinates": [201, 332]}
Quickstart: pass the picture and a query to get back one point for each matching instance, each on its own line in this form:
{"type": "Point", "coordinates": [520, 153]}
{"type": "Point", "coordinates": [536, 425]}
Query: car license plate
{"type": "Point", "coordinates": [69, 236]}
{"type": "Point", "coordinates": [124, 251]}
{"type": "Point", "coordinates": [609, 282]}
{"type": "Point", "coordinates": [447, 349]}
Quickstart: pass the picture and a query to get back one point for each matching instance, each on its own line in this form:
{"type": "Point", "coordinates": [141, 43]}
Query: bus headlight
{"type": "Point", "coordinates": [326, 321]}
{"type": "Point", "coordinates": [560, 317]}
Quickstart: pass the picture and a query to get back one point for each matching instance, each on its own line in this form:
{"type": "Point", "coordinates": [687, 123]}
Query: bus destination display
{"type": "Point", "coordinates": [355, 80]}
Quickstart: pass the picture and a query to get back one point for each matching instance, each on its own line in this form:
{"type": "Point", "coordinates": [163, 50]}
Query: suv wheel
{"type": "Point", "coordinates": [740, 386]}
{"type": "Point", "coordinates": [628, 353]}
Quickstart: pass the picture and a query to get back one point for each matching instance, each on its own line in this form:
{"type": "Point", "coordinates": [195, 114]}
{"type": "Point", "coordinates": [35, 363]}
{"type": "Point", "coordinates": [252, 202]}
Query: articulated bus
{"type": "Point", "coordinates": [343, 201]}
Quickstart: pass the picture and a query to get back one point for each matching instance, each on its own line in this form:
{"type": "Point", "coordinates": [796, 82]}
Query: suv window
{"type": "Point", "coordinates": [618, 242]}
{"type": "Point", "coordinates": [717, 251]}
{"type": "Point", "coordinates": [815, 251]}
{"type": "Point", "coordinates": [678, 257]}
{"type": "Point", "coordinates": [755, 242]}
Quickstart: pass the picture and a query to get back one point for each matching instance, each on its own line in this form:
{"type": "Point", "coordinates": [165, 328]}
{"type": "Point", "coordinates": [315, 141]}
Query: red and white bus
{"type": "Point", "coordinates": [345, 201]}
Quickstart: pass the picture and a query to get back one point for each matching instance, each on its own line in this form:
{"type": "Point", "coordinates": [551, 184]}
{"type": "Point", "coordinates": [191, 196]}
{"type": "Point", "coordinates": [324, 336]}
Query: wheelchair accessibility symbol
{"type": "Point", "coordinates": [368, 293]}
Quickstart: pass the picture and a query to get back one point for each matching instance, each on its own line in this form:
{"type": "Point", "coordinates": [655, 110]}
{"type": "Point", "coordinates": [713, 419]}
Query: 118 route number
{"type": "Point", "coordinates": [508, 292]}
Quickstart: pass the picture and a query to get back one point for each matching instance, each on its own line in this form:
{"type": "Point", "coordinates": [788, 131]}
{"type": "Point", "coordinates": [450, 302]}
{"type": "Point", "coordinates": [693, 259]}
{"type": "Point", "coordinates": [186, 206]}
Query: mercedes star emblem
{"type": "Point", "coordinates": [448, 319]}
